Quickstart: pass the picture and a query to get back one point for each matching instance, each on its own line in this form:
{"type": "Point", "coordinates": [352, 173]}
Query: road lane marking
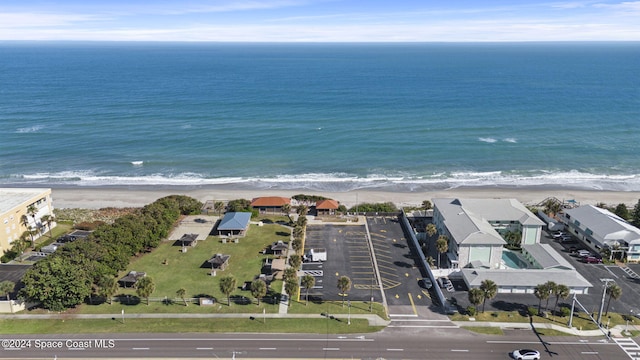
{"type": "Point", "coordinates": [589, 353]}
{"type": "Point", "coordinates": [266, 348]}
{"type": "Point", "coordinates": [460, 350]}
{"type": "Point", "coordinates": [331, 349]}
{"type": "Point", "coordinates": [145, 348]}
{"type": "Point", "coordinates": [395, 349]}
{"type": "Point", "coordinates": [204, 348]}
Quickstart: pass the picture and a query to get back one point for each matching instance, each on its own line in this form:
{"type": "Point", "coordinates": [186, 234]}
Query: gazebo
{"type": "Point", "coordinates": [219, 261]}
{"type": "Point", "coordinates": [234, 223]}
{"type": "Point", "coordinates": [131, 279]}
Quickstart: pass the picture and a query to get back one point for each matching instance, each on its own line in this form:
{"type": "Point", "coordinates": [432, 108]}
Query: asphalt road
{"type": "Point", "coordinates": [388, 344]}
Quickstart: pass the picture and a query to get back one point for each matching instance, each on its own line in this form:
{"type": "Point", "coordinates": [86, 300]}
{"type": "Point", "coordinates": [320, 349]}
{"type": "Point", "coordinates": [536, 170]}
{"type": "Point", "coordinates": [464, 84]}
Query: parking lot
{"type": "Point", "coordinates": [348, 255]}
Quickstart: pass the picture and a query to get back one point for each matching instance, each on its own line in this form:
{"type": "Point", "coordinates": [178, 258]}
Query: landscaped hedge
{"type": "Point", "coordinates": [64, 279]}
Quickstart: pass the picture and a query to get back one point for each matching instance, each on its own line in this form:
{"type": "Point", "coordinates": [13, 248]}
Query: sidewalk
{"type": "Point", "coordinates": [616, 331]}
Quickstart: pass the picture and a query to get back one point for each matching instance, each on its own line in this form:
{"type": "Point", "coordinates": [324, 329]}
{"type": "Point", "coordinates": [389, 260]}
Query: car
{"type": "Point", "coordinates": [592, 260]}
{"type": "Point", "coordinates": [573, 249]}
{"type": "Point", "coordinates": [558, 235]}
{"type": "Point", "coordinates": [568, 240]}
{"type": "Point", "coordinates": [526, 354]}
{"type": "Point", "coordinates": [425, 283]}
{"type": "Point", "coordinates": [583, 253]}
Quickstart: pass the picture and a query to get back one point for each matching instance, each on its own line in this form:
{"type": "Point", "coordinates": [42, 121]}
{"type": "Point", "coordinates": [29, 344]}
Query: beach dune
{"type": "Point", "coordinates": [101, 197]}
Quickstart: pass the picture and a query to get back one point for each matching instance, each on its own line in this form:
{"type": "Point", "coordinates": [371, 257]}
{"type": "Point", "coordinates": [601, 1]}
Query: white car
{"type": "Point", "coordinates": [526, 354]}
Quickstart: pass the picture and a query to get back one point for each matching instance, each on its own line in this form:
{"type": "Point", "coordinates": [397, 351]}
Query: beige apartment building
{"type": "Point", "coordinates": [22, 209]}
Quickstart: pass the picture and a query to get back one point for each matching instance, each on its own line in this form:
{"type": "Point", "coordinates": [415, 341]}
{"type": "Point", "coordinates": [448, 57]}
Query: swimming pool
{"type": "Point", "coordinates": [512, 260]}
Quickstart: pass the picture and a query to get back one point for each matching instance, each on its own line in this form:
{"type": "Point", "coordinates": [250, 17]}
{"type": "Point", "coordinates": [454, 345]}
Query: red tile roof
{"type": "Point", "coordinates": [327, 205]}
{"type": "Point", "coordinates": [270, 201]}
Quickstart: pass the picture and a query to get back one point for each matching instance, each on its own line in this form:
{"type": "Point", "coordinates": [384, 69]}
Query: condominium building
{"type": "Point", "coordinates": [23, 209]}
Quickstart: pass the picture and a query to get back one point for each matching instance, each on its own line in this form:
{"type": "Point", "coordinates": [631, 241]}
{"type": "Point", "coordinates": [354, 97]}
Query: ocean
{"type": "Point", "coordinates": [327, 117]}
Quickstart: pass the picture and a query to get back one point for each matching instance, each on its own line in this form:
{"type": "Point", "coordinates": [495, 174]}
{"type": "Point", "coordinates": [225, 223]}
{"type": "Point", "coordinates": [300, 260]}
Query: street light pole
{"type": "Point", "coordinates": [349, 318]}
{"type": "Point", "coordinates": [573, 306]}
{"type": "Point", "coordinates": [604, 293]}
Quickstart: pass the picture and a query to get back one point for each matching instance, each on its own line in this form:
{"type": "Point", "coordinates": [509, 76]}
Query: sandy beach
{"type": "Point", "coordinates": [101, 197]}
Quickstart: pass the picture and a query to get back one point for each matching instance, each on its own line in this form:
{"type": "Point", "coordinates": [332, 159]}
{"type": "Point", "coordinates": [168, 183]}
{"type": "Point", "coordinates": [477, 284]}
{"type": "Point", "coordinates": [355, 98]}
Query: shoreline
{"type": "Point", "coordinates": [137, 196]}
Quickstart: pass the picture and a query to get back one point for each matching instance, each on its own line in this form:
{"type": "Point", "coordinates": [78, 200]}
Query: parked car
{"type": "Point", "coordinates": [526, 354]}
{"type": "Point", "coordinates": [425, 283]}
{"type": "Point", "coordinates": [568, 240]}
{"type": "Point", "coordinates": [592, 260]}
{"type": "Point", "coordinates": [573, 249]}
{"type": "Point", "coordinates": [558, 235]}
{"type": "Point", "coordinates": [583, 253]}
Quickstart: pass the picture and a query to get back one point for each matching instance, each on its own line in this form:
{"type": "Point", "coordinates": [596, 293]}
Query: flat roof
{"type": "Point", "coordinates": [525, 277]}
{"type": "Point", "coordinates": [10, 198]}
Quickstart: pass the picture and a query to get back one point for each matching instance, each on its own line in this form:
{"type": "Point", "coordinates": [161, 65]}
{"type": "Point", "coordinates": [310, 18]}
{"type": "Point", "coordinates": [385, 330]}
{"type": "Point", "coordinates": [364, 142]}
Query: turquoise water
{"type": "Point", "coordinates": [405, 117]}
{"type": "Point", "coordinates": [512, 260]}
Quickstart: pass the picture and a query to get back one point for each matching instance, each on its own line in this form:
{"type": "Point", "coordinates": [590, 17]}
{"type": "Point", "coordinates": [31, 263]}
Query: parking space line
{"type": "Point", "coordinates": [413, 305]}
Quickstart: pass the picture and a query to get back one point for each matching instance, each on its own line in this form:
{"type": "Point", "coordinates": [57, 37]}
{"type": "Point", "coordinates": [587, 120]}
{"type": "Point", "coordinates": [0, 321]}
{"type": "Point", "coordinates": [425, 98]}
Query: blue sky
{"type": "Point", "coordinates": [320, 20]}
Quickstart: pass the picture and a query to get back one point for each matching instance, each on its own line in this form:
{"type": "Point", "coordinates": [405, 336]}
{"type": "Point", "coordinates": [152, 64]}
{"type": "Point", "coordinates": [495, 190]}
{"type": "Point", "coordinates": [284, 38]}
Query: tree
{"type": "Point", "coordinates": [296, 244]}
{"type": "Point", "coordinates": [218, 206]}
{"type": "Point", "coordinates": [258, 289]}
{"type": "Point", "coordinates": [290, 273]}
{"type": "Point", "coordinates": [227, 285]}
{"type": "Point", "coordinates": [431, 229]}
{"type": "Point", "coordinates": [302, 210]}
{"type": "Point", "coordinates": [181, 293]}
{"type": "Point", "coordinates": [541, 291]}
{"type": "Point", "coordinates": [307, 282]}
{"type": "Point", "coordinates": [295, 261]}
{"type": "Point", "coordinates": [476, 296]}
{"type": "Point", "coordinates": [426, 204]}
{"type": "Point", "coordinates": [561, 291]}
{"type": "Point", "coordinates": [291, 288]}
{"type": "Point", "coordinates": [48, 219]}
{"type": "Point", "coordinates": [302, 221]}
{"type": "Point", "coordinates": [635, 215]}
{"type": "Point", "coordinates": [442, 245]}
{"type": "Point", "coordinates": [622, 211]}
{"type": "Point", "coordinates": [19, 246]}
{"type": "Point", "coordinates": [489, 290]}
{"type": "Point", "coordinates": [145, 287]}
{"type": "Point", "coordinates": [108, 287]}
{"type": "Point", "coordinates": [552, 207]}
{"type": "Point", "coordinates": [56, 283]}
{"type": "Point", "coordinates": [552, 289]}
{"type": "Point", "coordinates": [344, 285]}
{"type": "Point", "coordinates": [614, 291]}
{"type": "Point", "coordinates": [286, 209]}
{"type": "Point", "coordinates": [6, 287]}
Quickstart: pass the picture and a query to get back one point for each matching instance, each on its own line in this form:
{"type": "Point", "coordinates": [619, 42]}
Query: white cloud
{"type": "Point", "coordinates": [43, 20]}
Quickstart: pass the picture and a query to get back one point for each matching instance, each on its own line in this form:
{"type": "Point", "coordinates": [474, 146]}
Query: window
{"type": "Point", "coordinates": [576, 222]}
{"type": "Point", "coordinates": [589, 232]}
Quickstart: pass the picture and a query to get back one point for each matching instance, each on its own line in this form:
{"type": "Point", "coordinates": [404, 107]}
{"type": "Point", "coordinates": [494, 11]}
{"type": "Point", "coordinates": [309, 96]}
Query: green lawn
{"type": "Point", "coordinates": [190, 271]}
{"type": "Point", "coordinates": [256, 325]}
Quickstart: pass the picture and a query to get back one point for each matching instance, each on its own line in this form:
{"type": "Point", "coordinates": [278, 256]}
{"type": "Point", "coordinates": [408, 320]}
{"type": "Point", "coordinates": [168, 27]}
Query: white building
{"type": "Point", "coordinates": [599, 228]}
{"type": "Point", "coordinates": [476, 229]}
{"type": "Point", "coordinates": [16, 216]}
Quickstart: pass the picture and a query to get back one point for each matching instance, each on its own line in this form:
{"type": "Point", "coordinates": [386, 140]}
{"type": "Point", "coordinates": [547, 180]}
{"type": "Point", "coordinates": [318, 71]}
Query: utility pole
{"type": "Point", "coordinates": [604, 294]}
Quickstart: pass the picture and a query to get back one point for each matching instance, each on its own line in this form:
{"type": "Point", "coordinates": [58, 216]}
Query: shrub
{"type": "Point", "coordinates": [471, 310]}
{"type": "Point", "coordinates": [565, 311]}
{"type": "Point", "coordinates": [532, 310]}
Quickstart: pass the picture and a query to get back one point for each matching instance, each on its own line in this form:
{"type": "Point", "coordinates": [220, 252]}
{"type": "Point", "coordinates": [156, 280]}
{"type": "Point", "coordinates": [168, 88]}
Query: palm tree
{"type": "Point", "coordinates": [145, 287]}
{"type": "Point", "coordinates": [552, 289]}
{"type": "Point", "coordinates": [290, 273]}
{"type": "Point", "coordinates": [344, 285]}
{"type": "Point", "coordinates": [561, 292]}
{"type": "Point", "coordinates": [108, 287]}
{"type": "Point", "coordinates": [442, 245]}
{"type": "Point", "coordinates": [258, 289]}
{"type": "Point", "coordinates": [541, 291]}
{"type": "Point", "coordinates": [489, 290]}
{"type": "Point", "coordinates": [227, 285]}
{"type": "Point", "coordinates": [218, 206]}
{"type": "Point", "coordinates": [614, 291]}
{"type": "Point", "coordinates": [431, 229]}
{"type": "Point", "coordinates": [302, 210]}
{"type": "Point", "coordinates": [6, 287]}
{"type": "Point", "coordinates": [308, 282]}
{"type": "Point", "coordinates": [286, 209]}
{"type": "Point", "coordinates": [48, 219]}
{"type": "Point", "coordinates": [295, 261]}
{"type": "Point", "coordinates": [290, 287]}
{"type": "Point", "coordinates": [181, 293]}
{"type": "Point", "coordinates": [20, 245]}
{"type": "Point", "coordinates": [427, 205]}
{"type": "Point", "coordinates": [476, 296]}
